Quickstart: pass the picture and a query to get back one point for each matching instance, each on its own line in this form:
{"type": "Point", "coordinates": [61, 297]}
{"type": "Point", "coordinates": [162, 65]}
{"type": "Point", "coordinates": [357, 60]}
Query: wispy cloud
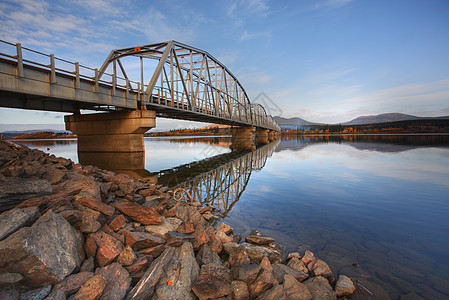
{"type": "Point", "coordinates": [247, 36]}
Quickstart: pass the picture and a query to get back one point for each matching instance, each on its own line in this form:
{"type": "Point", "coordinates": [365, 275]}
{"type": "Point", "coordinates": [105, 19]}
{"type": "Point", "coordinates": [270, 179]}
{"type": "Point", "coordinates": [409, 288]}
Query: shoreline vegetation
{"type": "Point", "coordinates": [431, 126]}
{"type": "Point", "coordinates": [76, 231]}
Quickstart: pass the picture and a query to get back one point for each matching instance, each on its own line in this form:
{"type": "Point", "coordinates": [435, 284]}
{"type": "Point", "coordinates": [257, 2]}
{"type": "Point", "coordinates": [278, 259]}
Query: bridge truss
{"type": "Point", "coordinates": [189, 83]}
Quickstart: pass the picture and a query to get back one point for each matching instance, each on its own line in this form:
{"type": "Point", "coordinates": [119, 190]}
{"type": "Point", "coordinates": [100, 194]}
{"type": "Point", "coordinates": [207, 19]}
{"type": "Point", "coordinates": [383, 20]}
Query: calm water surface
{"type": "Point", "coordinates": [380, 202]}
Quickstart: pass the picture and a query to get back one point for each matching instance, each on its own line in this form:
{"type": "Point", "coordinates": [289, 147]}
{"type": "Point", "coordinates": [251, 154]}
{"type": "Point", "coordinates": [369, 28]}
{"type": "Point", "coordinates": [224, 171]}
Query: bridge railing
{"type": "Point", "coordinates": [57, 66]}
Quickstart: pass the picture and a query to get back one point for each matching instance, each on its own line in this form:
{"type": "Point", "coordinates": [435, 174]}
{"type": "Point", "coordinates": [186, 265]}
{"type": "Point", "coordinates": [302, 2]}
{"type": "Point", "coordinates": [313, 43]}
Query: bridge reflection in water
{"type": "Point", "coordinates": [218, 181]}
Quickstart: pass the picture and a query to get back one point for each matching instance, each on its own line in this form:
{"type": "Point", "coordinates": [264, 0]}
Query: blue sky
{"type": "Point", "coordinates": [324, 60]}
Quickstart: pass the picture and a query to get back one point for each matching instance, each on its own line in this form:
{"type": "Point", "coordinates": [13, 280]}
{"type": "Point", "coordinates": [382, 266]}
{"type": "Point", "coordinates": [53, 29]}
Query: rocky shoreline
{"type": "Point", "coordinates": [77, 232]}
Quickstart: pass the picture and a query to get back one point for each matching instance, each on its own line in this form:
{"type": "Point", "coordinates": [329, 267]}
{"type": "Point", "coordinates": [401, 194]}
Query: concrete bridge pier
{"type": "Point", "coordinates": [112, 138]}
{"type": "Point", "coordinates": [262, 136]}
{"type": "Point", "coordinates": [243, 138]}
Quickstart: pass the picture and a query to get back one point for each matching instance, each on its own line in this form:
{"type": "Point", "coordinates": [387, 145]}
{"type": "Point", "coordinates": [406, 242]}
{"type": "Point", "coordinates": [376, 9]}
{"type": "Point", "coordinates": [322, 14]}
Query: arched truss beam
{"type": "Point", "coordinates": [191, 80]}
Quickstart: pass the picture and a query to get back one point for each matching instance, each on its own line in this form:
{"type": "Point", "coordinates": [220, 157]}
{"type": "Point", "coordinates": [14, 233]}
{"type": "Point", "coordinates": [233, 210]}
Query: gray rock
{"type": "Point", "coordinates": [168, 224]}
{"type": "Point", "coordinates": [10, 278]}
{"type": "Point", "coordinates": [280, 270]}
{"type": "Point", "coordinates": [117, 279]}
{"type": "Point", "coordinates": [16, 218]}
{"type": "Point", "coordinates": [218, 271]}
{"type": "Point", "coordinates": [207, 256]}
{"type": "Point", "coordinates": [37, 294]}
{"type": "Point", "coordinates": [44, 253]}
{"type": "Point", "coordinates": [256, 253]}
{"type": "Point", "coordinates": [181, 272]}
{"type": "Point", "coordinates": [88, 265]}
{"type": "Point", "coordinates": [14, 190]}
{"type": "Point", "coordinates": [144, 289]}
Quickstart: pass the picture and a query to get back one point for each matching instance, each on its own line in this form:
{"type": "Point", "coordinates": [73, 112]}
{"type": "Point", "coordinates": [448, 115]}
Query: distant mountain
{"type": "Point", "coordinates": [291, 121]}
{"type": "Point", "coordinates": [385, 118]}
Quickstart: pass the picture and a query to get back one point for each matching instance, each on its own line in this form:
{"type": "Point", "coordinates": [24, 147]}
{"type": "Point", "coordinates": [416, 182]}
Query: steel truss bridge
{"type": "Point", "coordinates": [218, 181]}
{"type": "Point", "coordinates": [182, 83]}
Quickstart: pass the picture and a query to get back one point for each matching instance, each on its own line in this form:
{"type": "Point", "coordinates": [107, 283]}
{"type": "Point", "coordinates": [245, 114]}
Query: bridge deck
{"type": "Point", "coordinates": [64, 86]}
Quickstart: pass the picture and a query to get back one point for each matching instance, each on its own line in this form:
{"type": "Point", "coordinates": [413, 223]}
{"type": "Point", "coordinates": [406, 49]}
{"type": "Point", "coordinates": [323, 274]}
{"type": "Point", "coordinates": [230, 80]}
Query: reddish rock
{"type": "Point", "coordinates": [294, 254]}
{"type": "Point", "coordinates": [238, 257]}
{"type": "Point", "coordinates": [118, 223]}
{"type": "Point", "coordinates": [147, 192]}
{"type": "Point", "coordinates": [176, 239]}
{"type": "Point", "coordinates": [263, 282]}
{"type": "Point", "coordinates": [214, 243]}
{"type": "Point", "coordinates": [200, 236]}
{"type": "Point", "coordinates": [223, 236]}
{"type": "Point", "coordinates": [344, 286]}
{"type": "Point", "coordinates": [218, 271]}
{"type": "Point", "coordinates": [320, 268]}
{"type": "Point", "coordinates": [210, 287]}
{"type": "Point", "coordinates": [141, 240]}
{"type": "Point", "coordinates": [297, 264]}
{"type": "Point", "coordinates": [296, 290]}
{"type": "Point", "coordinates": [106, 229]}
{"type": "Point", "coordinates": [246, 273]}
{"type": "Point", "coordinates": [205, 209]}
{"type": "Point", "coordinates": [138, 268]}
{"type": "Point", "coordinates": [71, 284]}
{"type": "Point", "coordinates": [239, 290]}
{"type": "Point", "coordinates": [320, 288]}
{"type": "Point", "coordinates": [279, 271]}
{"type": "Point", "coordinates": [90, 247]}
{"type": "Point", "coordinates": [186, 228]}
{"type": "Point", "coordinates": [108, 248]}
{"type": "Point", "coordinates": [117, 279]}
{"type": "Point", "coordinates": [259, 240]}
{"type": "Point", "coordinates": [92, 289]}
{"type": "Point", "coordinates": [127, 257]}
{"type": "Point", "coordinates": [225, 228]}
{"type": "Point", "coordinates": [153, 251]}
{"type": "Point", "coordinates": [308, 257]}
{"type": "Point", "coordinates": [95, 205]}
{"type": "Point", "coordinates": [141, 214]}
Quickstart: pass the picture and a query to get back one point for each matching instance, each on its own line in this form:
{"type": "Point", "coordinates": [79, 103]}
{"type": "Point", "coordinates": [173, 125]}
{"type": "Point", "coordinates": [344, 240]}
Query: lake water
{"type": "Point", "coordinates": [373, 207]}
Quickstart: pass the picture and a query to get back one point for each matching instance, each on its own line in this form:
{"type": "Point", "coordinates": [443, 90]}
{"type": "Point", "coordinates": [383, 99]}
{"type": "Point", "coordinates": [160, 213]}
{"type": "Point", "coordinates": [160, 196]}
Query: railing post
{"type": "Point", "coordinates": [114, 78]}
{"type": "Point", "coordinates": [52, 69]}
{"type": "Point", "coordinates": [77, 75]}
{"type": "Point", "coordinates": [19, 60]}
{"type": "Point", "coordinates": [127, 88]}
{"type": "Point", "coordinates": [96, 80]}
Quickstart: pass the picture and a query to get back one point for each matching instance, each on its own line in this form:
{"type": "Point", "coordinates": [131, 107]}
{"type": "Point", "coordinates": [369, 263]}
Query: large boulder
{"type": "Point", "coordinates": [14, 219]}
{"type": "Point", "coordinates": [44, 253]}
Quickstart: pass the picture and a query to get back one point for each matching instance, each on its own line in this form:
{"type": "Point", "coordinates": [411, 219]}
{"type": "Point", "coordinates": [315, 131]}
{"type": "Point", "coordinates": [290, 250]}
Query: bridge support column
{"type": "Point", "coordinates": [115, 132]}
{"type": "Point", "coordinates": [262, 136]}
{"type": "Point", "coordinates": [243, 138]}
